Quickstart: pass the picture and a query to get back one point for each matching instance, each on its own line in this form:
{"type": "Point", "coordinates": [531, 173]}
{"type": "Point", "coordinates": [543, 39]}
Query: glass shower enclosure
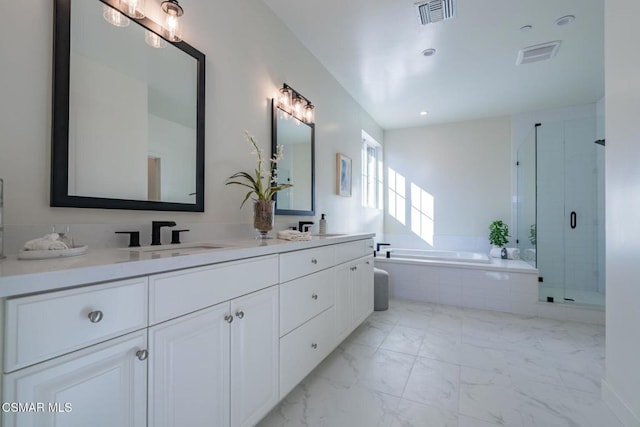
{"type": "Point", "coordinates": [567, 235]}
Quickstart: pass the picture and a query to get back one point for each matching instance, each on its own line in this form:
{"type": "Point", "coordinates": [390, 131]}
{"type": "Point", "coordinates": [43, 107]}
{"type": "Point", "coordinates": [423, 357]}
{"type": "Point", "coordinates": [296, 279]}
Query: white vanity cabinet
{"type": "Point", "coordinates": [189, 369]}
{"type": "Point", "coordinates": [103, 386]}
{"type": "Point", "coordinates": [354, 295]}
{"type": "Point", "coordinates": [217, 365]}
{"type": "Point", "coordinates": [203, 345]}
{"type": "Point", "coordinates": [254, 356]}
{"type": "Point", "coordinates": [62, 359]}
{"type": "Point", "coordinates": [44, 326]}
{"type": "Point", "coordinates": [320, 307]}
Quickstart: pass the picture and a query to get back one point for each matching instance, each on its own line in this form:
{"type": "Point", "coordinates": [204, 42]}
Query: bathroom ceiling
{"type": "Point", "coordinates": [374, 50]}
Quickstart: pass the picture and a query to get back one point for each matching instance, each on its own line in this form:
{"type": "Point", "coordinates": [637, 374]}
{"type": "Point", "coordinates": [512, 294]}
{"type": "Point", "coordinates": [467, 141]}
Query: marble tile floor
{"type": "Point", "coordinates": [422, 364]}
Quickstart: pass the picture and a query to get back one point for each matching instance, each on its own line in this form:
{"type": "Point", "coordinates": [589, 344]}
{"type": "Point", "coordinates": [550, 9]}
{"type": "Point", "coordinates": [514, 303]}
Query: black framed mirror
{"type": "Point", "coordinates": [128, 113]}
{"type": "Point", "coordinates": [297, 166]}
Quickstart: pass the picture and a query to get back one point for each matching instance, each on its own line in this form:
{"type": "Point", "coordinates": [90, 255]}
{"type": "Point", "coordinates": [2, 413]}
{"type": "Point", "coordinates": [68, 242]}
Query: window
{"type": "Point", "coordinates": [372, 185]}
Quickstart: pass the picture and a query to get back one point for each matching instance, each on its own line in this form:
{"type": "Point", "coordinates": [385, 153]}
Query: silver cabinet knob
{"type": "Point", "coordinates": [368, 262]}
{"type": "Point", "coordinates": [95, 316]}
{"type": "Point", "coordinates": [142, 354]}
{"type": "Point", "coordinates": [314, 346]}
{"type": "Point", "coordinates": [239, 314]}
{"type": "Point", "coordinates": [228, 318]}
{"type": "Point", "coordinates": [355, 268]}
{"type": "Point", "coordinates": [314, 296]}
{"type": "Point", "coordinates": [314, 261]}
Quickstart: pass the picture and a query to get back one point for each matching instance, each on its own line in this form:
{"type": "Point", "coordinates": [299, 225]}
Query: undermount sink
{"type": "Point", "coordinates": [181, 248]}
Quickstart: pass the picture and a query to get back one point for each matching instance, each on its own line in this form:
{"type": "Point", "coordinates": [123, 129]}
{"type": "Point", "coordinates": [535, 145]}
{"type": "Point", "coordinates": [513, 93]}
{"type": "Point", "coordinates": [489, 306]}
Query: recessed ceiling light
{"type": "Point", "coordinates": [526, 28]}
{"type": "Point", "coordinates": [423, 113]}
{"type": "Point", "coordinates": [429, 52]}
{"type": "Point", "coordinates": [564, 20]}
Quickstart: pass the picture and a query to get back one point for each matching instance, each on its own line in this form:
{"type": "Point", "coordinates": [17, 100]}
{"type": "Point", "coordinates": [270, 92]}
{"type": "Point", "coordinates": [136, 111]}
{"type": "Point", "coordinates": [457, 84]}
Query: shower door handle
{"type": "Point", "coordinates": [573, 219]}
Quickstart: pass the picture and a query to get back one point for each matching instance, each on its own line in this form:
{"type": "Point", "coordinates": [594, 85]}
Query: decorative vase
{"type": "Point", "coordinates": [263, 217]}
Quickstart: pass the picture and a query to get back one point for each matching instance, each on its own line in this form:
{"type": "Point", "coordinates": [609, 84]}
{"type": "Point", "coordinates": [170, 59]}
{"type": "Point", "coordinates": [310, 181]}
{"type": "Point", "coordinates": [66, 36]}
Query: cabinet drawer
{"type": "Point", "coordinates": [303, 298]}
{"type": "Point", "coordinates": [180, 292]}
{"type": "Point", "coordinates": [44, 326]}
{"type": "Point", "coordinates": [346, 252]}
{"type": "Point", "coordinates": [305, 347]}
{"type": "Point", "coordinates": [300, 263]}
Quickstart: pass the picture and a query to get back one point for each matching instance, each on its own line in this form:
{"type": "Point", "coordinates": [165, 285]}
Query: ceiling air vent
{"type": "Point", "coordinates": [435, 10]}
{"type": "Point", "coordinates": [539, 52]}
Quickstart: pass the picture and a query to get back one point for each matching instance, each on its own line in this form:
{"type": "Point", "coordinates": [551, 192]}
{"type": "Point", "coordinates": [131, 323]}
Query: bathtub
{"type": "Point", "coordinates": [427, 254]}
{"type": "Point", "coordinates": [464, 279]}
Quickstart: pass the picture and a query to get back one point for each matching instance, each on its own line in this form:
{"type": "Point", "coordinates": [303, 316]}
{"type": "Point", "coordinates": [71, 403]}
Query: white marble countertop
{"type": "Point", "coordinates": [18, 277]}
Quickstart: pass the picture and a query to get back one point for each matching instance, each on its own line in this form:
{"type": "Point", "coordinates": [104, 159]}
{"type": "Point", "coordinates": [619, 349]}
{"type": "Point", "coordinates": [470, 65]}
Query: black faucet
{"type": "Point", "coordinates": [155, 230]}
{"type": "Point", "coordinates": [381, 244]}
{"type": "Point", "coordinates": [304, 225]}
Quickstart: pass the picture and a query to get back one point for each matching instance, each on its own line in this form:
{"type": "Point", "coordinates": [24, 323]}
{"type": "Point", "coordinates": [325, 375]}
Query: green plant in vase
{"type": "Point", "coordinates": [498, 236]}
{"type": "Point", "coordinates": [262, 184]}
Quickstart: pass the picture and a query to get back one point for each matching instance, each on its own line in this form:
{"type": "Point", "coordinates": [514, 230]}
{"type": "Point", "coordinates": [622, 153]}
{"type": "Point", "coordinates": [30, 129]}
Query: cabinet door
{"type": "Point", "coordinates": [363, 282]}
{"type": "Point", "coordinates": [101, 386]}
{"type": "Point", "coordinates": [189, 370]}
{"type": "Point", "coordinates": [254, 356]}
{"type": "Point", "coordinates": [343, 304]}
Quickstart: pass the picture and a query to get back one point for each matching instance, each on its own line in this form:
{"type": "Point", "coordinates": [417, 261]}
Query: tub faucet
{"type": "Point", "coordinates": [304, 225]}
{"type": "Point", "coordinates": [381, 244]}
{"type": "Point", "coordinates": [155, 230]}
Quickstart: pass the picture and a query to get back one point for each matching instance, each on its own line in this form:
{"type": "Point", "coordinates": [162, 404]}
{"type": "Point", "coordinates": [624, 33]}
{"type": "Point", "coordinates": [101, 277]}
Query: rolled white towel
{"type": "Point", "coordinates": [513, 253]}
{"type": "Point", "coordinates": [294, 235]}
{"type": "Point", "coordinates": [49, 242]}
{"type": "Point", "coordinates": [495, 252]}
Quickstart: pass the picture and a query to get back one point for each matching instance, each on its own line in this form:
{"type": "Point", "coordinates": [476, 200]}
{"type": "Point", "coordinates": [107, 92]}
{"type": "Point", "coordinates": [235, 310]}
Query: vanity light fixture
{"type": "Point", "coordinates": [133, 8]}
{"type": "Point", "coordinates": [295, 104]}
{"type": "Point", "coordinates": [114, 17]}
{"type": "Point", "coordinates": [172, 28]}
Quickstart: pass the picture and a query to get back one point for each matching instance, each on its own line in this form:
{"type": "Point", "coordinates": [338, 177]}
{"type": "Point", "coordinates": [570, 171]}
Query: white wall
{"type": "Point", "coordinates": [250, 53]}
{"type": "Point", "coordinates": [466, 166]}
{"type": "Point", "coordinates": [621, 388]}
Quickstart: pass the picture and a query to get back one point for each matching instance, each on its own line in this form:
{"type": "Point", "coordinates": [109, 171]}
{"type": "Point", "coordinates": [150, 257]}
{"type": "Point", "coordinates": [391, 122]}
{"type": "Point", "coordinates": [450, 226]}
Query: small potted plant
{"type": "Point", "coordinates": [498, 237]}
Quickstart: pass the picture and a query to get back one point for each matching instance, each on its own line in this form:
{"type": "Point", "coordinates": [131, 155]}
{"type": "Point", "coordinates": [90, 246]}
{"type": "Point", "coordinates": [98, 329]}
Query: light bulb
{"type": "Point", "coordinates": [297, 107]}
{"type": "Point", "coordinates": [114, 17]}
{"type": "Point", "coordinates": [134, 8]}
{"type": "Point", "coordinates": [284, 99]}
{"type": "Point", "coordinates": [172, 27]}
{"type": "Point", "coordinates": [154, 40]}
{"type": "Point", "coordinates": [309, 115]}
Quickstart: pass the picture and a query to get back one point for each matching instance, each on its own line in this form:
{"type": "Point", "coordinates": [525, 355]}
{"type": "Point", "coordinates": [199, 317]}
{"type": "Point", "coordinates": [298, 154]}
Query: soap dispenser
{"type": "Point", "coordinates": [323, 225]}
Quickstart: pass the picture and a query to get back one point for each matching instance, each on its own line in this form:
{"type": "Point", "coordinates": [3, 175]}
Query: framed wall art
{"type": "Point", "coordinates": [343, 175]}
